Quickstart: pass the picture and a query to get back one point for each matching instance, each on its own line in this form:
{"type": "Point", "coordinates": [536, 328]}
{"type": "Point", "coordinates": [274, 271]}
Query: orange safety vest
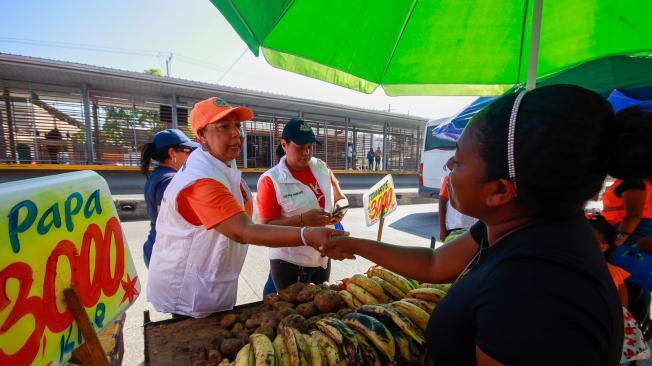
{"type": "Point", "coordinates": [614, 207]}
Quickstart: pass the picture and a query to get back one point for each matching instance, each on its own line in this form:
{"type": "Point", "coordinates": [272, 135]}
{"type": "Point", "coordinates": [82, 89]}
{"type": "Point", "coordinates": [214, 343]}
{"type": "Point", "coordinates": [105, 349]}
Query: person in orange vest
{"type": "Point", "coordinates": [606, 235]}
{"type": "Point", "coordinates": [627, 204]}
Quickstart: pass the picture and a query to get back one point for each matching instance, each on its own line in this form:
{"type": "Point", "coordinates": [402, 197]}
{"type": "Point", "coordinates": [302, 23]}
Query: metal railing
{"type": "Point", "coordinates": [49, 126]}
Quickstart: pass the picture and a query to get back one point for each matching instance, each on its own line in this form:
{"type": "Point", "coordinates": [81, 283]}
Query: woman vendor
{"type": "Point", "coordinates": [205, 220]}
{"type": "Point", "coordinates": [530, 284]}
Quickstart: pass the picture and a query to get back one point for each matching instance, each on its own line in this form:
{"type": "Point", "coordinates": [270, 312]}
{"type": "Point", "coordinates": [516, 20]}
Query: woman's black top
{"type": "Point", "coordinates": [541, 295]}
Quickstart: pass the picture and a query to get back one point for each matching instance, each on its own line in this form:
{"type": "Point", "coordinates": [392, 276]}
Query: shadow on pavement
{"type": "Point", "coordinates": [424, 224]}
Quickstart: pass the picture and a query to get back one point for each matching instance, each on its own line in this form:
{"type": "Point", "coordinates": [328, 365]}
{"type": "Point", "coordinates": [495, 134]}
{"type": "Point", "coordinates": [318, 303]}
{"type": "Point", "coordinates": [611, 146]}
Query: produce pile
{"type": "Point", "coordinates": [377, 319]}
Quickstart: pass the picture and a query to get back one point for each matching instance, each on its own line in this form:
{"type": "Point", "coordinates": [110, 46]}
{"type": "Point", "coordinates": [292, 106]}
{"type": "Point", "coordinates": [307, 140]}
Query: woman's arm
{"type": "Point", "coordinates": [634, 200]}
{"type": "Point", "coordinates": [241, 229]}
{"type": "Point", "coordinates": [443, 265]}
{"type": "Point", "coordinates": [442, 218]}
{"type": "Point", "coordinates": [316, 217]}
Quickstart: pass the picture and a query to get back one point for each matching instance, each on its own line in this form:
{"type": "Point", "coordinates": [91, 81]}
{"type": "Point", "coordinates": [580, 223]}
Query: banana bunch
{"type": "Point", "coordinates": [258, 352]}
{"type": "Point", "coordinates": [394, 285]}
{"type": "Point", "coordinates": [362, 290]}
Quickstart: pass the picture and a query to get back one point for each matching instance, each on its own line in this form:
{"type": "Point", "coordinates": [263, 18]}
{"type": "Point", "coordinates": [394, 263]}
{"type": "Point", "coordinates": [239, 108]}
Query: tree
{"type": "Point", "coordinates": [154, 71]}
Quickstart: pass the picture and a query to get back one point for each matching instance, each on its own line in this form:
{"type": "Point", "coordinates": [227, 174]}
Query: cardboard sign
{"type": "Point", "coordinates": [380, 198]}
{"type": "Point", "coordinates": [58, 232]}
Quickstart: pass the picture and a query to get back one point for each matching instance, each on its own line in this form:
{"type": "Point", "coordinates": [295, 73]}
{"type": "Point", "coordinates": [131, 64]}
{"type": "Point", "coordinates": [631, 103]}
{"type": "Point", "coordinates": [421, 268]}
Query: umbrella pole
{"type": "Point", "coordinates": [534, 46]}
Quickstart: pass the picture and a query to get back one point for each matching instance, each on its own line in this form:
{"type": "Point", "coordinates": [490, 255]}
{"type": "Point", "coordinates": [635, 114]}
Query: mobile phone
{"type": "Point", "coordinates": [340, 211]}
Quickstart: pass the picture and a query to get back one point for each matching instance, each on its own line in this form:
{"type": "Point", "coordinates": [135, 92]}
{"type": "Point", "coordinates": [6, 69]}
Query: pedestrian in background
{"type": "Point", "coordinates": [370, 157]}
{"type": "Point", "coordinates": [379, 156]}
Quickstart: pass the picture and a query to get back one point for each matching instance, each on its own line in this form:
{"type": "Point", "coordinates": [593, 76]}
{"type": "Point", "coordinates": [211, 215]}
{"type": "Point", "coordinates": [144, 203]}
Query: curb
{"type": "Point", "coordinates": [136, 209]}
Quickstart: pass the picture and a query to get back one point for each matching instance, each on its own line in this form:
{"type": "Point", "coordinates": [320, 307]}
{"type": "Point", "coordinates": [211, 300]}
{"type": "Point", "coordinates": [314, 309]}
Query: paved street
{"type": "Point", "coordinates": [408, 225]}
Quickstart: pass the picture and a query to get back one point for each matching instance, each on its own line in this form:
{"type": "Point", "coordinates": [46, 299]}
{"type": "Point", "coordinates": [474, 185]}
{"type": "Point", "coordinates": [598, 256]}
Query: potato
{"type": "Point", "coordinates": [271, 299]}
{"type": "Point", "coordinates": [308, 293]}
{"type": "Point", "coordinates": [230, 347]}
{"type": "Point", "coordinates": [224, 333]}
{"type": "Point", "coordinates": [307, 310]}
{"type": "Point", "coordinates": [328, 301]}
{"type": "Point", "coordinates": [252, 323]}
{"type": "Point", "coordinates": [215, 356]}
{"type": "Point", "coordinates": [246, 314]}
{"type": "Point", "coordinates": [217, 342]}
{"type": "Point", "coordinates": [295, 321]}
{"type": "Point", "coordinates": [228, 321]}
{"type": "Point", "coordinates": [267, 330]}
{"type": "Point", "coordinates": [282, 305]}
{"type": "Point", "coordinates": [237, 328]}
{"type": "Point", "coordinates": [290, 294]}
{"type": "Point", "coordinates": [285, 312]}
{"type": "Point", "coordinates": [202, 354]}
{"type": "Point", "coordinates": [267, 315]}
{"type": "Point", "coordinates": [244, 335]}
{"type": "Point", "coordinates": [269, 322]}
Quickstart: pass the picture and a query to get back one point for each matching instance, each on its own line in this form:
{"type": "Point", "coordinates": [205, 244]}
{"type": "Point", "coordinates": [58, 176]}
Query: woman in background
{"type": "Point", "coordinates": [169, 149]}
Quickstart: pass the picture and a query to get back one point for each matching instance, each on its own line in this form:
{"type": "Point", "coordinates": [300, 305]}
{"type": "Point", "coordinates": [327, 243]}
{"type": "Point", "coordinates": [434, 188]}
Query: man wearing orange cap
{"type": "Point", "coordinates": [205, 219]}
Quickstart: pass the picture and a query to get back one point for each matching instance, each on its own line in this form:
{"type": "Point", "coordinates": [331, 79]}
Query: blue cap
{"type": "Point", "coordinates": [299, 131]}
{"type": "Point", "coordinates": [172, 137]}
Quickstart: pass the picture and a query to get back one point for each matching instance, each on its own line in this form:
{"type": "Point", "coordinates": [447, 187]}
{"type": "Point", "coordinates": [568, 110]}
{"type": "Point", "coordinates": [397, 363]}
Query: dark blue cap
{"type": "Point", "coordinates": [172, 137]}
{"type": "Point", "coordinates": [299, 131]}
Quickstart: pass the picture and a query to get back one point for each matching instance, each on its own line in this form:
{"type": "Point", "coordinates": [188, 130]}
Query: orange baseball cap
{"type": "Point", "coordinates": [214, 109]}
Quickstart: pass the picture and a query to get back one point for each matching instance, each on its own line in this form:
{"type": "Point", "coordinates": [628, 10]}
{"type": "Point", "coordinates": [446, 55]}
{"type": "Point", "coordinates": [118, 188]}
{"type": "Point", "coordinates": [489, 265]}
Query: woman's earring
{"type": "Point", "coordinates": [204, 146]}
{"type": "Point", "coordinates": [175, 159]}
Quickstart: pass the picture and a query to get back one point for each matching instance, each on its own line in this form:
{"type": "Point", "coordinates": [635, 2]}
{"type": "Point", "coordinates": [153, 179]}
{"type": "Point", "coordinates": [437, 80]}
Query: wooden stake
{"type": "Point", "coordinates": [90, 352]}
{"type": "Point", "coordinates": [381, 223]}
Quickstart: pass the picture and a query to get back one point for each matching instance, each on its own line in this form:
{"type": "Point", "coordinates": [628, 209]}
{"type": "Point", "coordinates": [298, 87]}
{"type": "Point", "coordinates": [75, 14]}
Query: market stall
{"type": "Point", "coordinates": [371, 319]}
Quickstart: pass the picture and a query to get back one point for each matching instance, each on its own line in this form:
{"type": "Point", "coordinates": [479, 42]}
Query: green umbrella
{"type": "Point", "coordinates": [437, 47]}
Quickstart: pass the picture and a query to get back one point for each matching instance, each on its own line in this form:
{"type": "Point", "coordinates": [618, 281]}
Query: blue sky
{"type": "Point", "coordinates": [139, 34]}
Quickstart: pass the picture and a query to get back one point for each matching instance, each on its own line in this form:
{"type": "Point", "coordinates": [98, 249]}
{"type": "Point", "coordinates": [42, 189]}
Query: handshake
{"type": "Point", "coordinates": [336, 244]}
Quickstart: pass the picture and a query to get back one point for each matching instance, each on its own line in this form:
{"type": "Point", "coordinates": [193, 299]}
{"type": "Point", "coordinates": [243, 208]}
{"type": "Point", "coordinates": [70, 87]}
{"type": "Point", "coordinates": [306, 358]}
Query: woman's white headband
{"type": "Point", "coordinates": [511, 138]}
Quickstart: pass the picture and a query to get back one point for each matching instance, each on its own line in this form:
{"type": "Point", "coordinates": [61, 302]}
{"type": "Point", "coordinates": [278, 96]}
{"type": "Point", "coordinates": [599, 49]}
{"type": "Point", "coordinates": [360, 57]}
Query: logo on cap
{"type": "Point", "coordinates": [305, 127]}
{"type": "Point", "coordinates": [219, 102]}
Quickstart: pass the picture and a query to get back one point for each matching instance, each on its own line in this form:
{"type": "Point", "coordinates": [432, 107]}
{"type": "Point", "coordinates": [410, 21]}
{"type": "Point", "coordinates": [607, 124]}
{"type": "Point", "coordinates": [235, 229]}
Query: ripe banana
{"type": "Point", "coordinates": [361, 294]}
{"type": "Point", "coordinates": [371, 287]}
{"type": "Point", "coordinates": [280, 352]}
{"type": "Point", "coordinates": [349, 300]}
{"type": "Point", "coordinates": [329, 348]}
{"type": "Point", "coordinates": [394, 278]}
{"type": "Point", "coordinates": [245, 356]}
{"type": "Point", "coordinates": [389, 289]}
{"type": "Point", "coordinates": [374, 331]}
{"type": "Point", "coordinates": [317, 358]}
{"type": "Point", "coordinates": [415, 313]}
{"type": "Point", "coordinates": [296, 346]}
{"type": "Point", "coordinates": [428, 293]}
{"type": "Point", "coordinates": [440, 286]}
{"type": "Point", "coordinates": [427, 306]}
{"type": "Point", "coordinates": [389, 315]}
{"type": "Point", "coordinates": [263, 350]}
{"type": "Point", "coordinates": [344, 336]}
{"type": "Point", "coordinates": [413, 283]}
{"type": "Point", "coordinates": [369, 353]}
{"type": "Point", "coordinates": [404, 350]}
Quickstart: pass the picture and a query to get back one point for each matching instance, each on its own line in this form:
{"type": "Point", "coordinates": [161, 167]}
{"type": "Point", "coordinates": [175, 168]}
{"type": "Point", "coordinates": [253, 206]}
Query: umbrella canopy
{"type": "Point", "coordinates": [435, 47]}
